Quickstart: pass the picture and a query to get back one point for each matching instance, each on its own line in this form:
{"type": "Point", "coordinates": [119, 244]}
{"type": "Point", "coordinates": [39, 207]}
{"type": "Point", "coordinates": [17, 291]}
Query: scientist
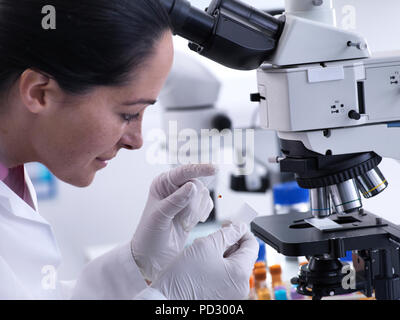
{"type": "Point", "coordinates": [71, 97]}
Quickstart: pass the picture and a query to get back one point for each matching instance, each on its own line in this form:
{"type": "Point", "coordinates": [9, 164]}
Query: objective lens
{"type": "Point", "coordinates": [320, 202]}
{"type": "Point", "coordinates": [371, 183]}
{"type": "Point", "coordinates": [345, 196]}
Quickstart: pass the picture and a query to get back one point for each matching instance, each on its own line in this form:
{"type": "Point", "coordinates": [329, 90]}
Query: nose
{"type": "Point", "coordinates": [132, 139]}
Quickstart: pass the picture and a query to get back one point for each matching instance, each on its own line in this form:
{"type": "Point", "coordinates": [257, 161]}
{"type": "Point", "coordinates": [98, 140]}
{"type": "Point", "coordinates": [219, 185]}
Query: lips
{"type": "Point", "coordinates": [105, 159]}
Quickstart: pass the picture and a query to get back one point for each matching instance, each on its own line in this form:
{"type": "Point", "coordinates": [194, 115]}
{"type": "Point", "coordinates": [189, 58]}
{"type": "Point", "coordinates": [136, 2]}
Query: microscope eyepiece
{"type": "Point", "coordinates": [256, 17]}
{"type": "Point", "coordinates": [229, 32]}
{"type": "Point", "coordinates": [188, 21]}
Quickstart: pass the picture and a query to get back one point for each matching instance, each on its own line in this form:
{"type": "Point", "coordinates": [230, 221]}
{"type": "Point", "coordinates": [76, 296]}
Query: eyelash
{"type": "Point", "coordinates": [130, 117]}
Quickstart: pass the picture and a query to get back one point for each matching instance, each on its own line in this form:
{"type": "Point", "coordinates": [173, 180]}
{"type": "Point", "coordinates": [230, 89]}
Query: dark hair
{"type": "Point", "coordinates": [96, 42]}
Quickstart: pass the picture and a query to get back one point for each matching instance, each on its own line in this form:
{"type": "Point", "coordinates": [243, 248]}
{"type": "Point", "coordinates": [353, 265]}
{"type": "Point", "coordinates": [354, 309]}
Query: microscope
{"type": "Point", "coordinates": [336, 109]}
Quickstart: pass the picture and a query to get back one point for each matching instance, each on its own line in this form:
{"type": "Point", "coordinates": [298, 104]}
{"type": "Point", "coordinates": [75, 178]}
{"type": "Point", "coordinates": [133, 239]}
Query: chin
{"type": "Point", "coordinates": [75, 175]}
{"type": "Point", "coordinates": [83, 184]}
{"type": "Point", "coordinates": [79, 181]}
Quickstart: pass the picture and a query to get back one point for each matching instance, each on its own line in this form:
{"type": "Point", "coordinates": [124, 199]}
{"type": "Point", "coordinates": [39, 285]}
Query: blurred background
{"type": "Point", "coordinates": [89, 221]}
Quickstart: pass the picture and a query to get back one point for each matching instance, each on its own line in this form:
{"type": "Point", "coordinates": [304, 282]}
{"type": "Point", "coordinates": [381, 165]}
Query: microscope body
{"type": "Point", "coordinates": [350, 99]}
{"type": "Point", "coordinates": [334, 119]}
{"type": "Point", "coordinates": [335, 109]}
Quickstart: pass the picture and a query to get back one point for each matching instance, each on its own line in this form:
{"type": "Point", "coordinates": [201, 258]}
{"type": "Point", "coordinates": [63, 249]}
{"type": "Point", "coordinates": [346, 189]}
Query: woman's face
{"type": "Point", "coordinates": [78, 134]}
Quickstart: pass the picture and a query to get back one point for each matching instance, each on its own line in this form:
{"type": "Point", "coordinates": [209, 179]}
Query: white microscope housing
{"type": "Point", "coordinates": [327, 92]}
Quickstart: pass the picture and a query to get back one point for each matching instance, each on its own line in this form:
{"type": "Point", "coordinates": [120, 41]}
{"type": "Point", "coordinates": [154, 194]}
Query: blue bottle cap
{"type": "Point", "coordinates": [261, 251]}
{"type": "Point", "coordinates": [290, 193]}
{"type": "Point", "coordinates": [348, 257]}
{"type": "Point", "coordinates": [280, 294]}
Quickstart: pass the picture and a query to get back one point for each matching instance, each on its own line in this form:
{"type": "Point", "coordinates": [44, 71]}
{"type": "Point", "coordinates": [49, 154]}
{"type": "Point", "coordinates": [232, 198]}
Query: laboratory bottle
{"type": "Point", "coordinates": [259, 264]}
{"type": "Point", "coordinates": [276, 275]}
{"type": "Point", "coordinates": [260, 283]}
{"type": "Point", "coordinates": [252, 293]}
{"type": "Point", "coordinates": [280, 289]}
{"type": "Point", "coordinates": [280, 293]}
{"type": "Point", "coordinates": [290, 198]}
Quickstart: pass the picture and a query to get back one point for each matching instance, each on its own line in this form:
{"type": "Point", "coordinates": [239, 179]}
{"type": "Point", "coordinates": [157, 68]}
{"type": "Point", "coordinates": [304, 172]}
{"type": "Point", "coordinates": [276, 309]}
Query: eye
{"type": "Point", "coordinates": [130, 117]}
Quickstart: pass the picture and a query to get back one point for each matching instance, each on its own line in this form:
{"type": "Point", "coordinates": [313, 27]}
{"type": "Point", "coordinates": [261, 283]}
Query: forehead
{"type": "Point", "coordinates": [149, 77]}
{"type": "Point", "coordinates": [159, 63]}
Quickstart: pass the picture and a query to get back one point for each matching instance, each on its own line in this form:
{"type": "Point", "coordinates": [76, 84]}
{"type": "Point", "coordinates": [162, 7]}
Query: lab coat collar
{"type": "Point", "coordinates": [14, 205]}
{"type": "Point", "coordinates": [31, 190]}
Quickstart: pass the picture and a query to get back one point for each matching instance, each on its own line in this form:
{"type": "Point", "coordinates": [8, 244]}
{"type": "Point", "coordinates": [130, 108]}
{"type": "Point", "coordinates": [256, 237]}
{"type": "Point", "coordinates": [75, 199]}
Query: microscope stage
{"type": "Point", "coordinates": [291, 235]}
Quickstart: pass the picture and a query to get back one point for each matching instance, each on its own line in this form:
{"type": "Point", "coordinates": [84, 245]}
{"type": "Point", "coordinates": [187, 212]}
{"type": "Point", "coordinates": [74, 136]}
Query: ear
{"type": "Point", "coordinates": [35, 90]}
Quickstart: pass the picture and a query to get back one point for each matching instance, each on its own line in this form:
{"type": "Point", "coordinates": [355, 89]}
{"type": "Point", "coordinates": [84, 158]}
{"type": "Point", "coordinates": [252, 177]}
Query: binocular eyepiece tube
{"type": "Point", "coordinates": [189, 22]}
{"type": "Point", "coordinates": [229, 32]}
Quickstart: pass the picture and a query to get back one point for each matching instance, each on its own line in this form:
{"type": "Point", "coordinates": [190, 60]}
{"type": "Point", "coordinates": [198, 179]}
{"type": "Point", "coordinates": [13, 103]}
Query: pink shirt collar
{"type": "Point", "coordinates": [3, 172]}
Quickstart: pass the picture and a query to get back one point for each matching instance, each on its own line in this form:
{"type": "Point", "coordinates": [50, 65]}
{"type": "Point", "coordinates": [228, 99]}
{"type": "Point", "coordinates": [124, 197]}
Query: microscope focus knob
{"type": "Point", "coordinates": [256, 97]}
{"type": "Point", "coordinates": [221, 122]}
{"type": "Point", "coordinates": [353, 114]}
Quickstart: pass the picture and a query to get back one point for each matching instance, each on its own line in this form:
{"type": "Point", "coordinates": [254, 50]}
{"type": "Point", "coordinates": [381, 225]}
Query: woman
{"type": "Point", "coordinates": [71, 98]}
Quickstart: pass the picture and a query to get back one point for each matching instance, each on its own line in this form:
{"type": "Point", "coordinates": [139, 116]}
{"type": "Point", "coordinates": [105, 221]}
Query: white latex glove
{"type": "Point", "coordinates": [215, 267]}
{"type": "Point", "coordinates": [177, 202]}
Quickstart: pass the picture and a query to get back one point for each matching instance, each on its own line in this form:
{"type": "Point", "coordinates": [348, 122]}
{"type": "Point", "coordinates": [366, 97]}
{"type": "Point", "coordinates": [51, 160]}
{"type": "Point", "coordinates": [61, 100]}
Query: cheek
{"type": "Point", "coordinates": [80, 141]}
{"type": "Point", "coordinates": [101, 138]}
{"type": "Point", "coordinates": [73, 159]}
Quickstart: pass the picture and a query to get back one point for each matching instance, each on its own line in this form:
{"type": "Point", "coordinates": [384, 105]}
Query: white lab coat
{"type": "Point", "coordinates": [29, 258]}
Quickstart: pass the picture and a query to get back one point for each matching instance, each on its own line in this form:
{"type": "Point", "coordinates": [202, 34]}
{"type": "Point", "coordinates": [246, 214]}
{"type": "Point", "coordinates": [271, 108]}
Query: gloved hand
{"type": "Point", "coordinates": [209, 269]}
{"type": "Point", "coordinates": [177, 202]}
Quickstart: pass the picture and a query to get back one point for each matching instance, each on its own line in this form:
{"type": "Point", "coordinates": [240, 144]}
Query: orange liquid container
{"type": "Point", "coordinates": [276, 275]}
{"type": "Point", "coordinates": [259, 264]}
{"type": "Point", "coordinates": [260, 277]}
{"type": "Point", "coordinates": [252, 293]}
{"type": "Point", "coordinates": [264, 294]}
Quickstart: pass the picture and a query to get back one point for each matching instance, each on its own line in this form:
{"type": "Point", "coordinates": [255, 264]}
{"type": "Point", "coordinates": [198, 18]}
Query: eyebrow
{"type": "Point", "coordinates": [140, 101]}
